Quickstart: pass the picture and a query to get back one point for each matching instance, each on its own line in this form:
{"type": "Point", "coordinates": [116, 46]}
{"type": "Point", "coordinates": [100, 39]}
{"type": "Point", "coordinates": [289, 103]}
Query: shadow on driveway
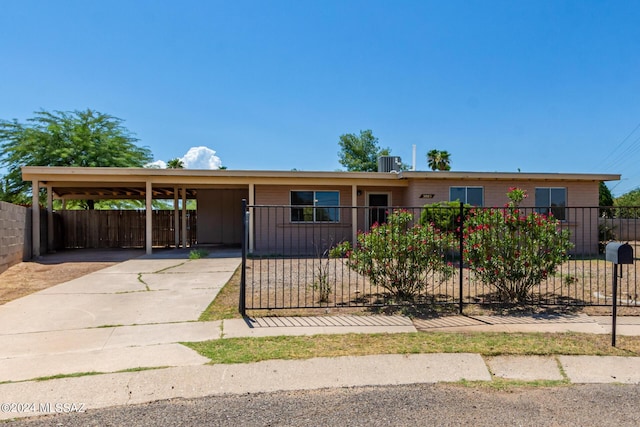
{"type": "Point", "coordinates": [124, 254]}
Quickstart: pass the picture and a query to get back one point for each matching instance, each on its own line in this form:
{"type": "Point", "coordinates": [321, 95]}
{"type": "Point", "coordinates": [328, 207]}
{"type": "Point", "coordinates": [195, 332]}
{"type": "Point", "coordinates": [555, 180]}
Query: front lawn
{"type": "Point", "coordinates": [248, 350]}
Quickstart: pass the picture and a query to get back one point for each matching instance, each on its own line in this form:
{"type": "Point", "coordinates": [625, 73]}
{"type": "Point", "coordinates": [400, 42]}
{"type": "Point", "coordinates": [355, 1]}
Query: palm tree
{"type": "Point", "coordinates": [175, 164]}
{"type": "Point", "coordinates": [439, 160]}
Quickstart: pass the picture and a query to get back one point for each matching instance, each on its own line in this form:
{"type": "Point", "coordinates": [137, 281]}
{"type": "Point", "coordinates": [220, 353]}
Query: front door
{"type": "Point", "coordinates": [378, 204]}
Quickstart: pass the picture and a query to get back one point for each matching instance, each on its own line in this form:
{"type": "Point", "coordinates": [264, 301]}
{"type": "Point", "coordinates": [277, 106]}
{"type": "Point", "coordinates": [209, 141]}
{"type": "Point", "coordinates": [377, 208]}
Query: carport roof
{"type": "Point", "coordinates": [130, 183]}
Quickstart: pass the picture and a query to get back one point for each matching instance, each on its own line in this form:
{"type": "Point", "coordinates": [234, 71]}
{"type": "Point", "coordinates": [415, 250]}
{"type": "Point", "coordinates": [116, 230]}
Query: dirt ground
{"type": "Point", "coordinates": [52, 269]}
{"type": "Point", "coordinates": [49, 270]}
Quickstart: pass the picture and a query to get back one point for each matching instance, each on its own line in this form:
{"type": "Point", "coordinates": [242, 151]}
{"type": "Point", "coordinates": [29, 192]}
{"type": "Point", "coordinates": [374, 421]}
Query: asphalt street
{"type": "Point", "coordinates": [408, 405]}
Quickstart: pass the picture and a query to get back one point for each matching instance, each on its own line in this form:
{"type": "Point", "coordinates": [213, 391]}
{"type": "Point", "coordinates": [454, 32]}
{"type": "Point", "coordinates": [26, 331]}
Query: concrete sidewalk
{"type": "Point", "coordinates": [135, 314]}
{"type": "Point", "coordinates": [99, 391]}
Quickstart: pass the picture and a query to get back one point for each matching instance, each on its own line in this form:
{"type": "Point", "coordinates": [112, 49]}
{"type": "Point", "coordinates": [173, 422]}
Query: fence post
{"type": "Point", "coordinates": [614, 313]}
{"type": "Point", "coordinates": [461, 227]}
{"type": "Point", "coordinates": [242, 303]}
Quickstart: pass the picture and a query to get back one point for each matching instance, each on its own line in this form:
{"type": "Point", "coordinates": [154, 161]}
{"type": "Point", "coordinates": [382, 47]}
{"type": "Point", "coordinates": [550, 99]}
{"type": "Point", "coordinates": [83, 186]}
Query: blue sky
{"type": "Point", "coordinates": [540, 86]}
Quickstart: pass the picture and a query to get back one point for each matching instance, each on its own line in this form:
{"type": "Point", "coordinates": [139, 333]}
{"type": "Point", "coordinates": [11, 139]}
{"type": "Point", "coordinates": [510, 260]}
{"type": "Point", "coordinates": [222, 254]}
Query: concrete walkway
{"type": "Point", "coordinates": [134, 315]}
{"type": "Point", "coordinates": [126, 316]}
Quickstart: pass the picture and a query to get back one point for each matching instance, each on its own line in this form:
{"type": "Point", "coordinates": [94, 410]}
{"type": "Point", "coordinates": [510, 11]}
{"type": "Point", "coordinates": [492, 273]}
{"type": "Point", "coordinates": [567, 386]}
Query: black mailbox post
{"type": "Point", "coordinates": [619, 254]}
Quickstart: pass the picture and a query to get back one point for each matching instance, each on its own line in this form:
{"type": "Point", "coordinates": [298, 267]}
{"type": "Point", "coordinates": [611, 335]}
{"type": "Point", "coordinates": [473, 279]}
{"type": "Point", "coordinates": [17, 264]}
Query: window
{"type": "Point", "coordinates": [469, 195]}
{"type": "Point", "coordinates": [315, 206]}
{"type": "Point", "coordinates": [552, 200]}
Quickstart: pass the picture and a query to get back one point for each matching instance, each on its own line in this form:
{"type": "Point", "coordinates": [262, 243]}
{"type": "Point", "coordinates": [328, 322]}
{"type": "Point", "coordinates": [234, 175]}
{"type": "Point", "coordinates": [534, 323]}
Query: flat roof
{"type": "Point", "coordinates": [130, 183]}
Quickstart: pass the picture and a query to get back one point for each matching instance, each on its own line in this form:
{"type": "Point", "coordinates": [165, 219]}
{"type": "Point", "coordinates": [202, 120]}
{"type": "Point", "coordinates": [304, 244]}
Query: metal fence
{"type": "Point", "coordinates": [289, 262]}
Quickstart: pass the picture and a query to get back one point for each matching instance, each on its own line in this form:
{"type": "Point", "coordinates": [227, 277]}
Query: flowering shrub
{"type": "Point", "coordinates": [513, 251]}
{"type": "Point", "coordinates": [399, 256]}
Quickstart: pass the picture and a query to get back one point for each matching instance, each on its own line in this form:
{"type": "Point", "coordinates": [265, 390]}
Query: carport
{"type": "Point", "coordinates": [218, 192]}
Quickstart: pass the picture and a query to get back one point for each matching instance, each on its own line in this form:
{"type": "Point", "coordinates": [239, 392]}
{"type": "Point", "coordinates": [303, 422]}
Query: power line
{"type": "Point", "coordinates": [620, 144]}
{"type": "Point", "coordinates": [625, 156]}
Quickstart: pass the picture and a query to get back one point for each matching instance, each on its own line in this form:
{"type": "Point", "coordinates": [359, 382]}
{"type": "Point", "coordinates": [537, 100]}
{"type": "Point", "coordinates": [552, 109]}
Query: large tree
{"type": "Point", "coordinates": [439, 160]}
{"type": "Point", "coordinates": [360, 153]}
{"type": "Point", "coordinates": [605, 197]}
{"type": "Point", "coordinates": [64, 138]}
{"type": "Point", "coordinates": [627, 204]}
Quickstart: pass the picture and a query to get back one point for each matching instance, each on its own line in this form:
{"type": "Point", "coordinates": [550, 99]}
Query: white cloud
{"type": "Point", "coordinates": [158, 164]}
{"type": "Point", "coordinates": [201, 158]}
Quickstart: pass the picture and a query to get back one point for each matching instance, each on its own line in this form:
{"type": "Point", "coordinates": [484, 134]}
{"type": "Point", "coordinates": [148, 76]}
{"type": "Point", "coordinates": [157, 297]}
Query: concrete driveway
{"type": "Point", "coordinates": [127, 316]}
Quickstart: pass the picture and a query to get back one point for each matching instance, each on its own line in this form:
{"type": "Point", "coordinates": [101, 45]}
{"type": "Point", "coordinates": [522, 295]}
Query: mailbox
{"type": "Point", "coordinates": [619, 253]}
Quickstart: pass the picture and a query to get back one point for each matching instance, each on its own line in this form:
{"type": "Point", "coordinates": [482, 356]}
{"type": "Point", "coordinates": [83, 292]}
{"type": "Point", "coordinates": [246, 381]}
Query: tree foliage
{"type": "Point", "coordinates": [73, 138]}
{"type": "Point", "coordinates": [175, 164]}
{"type": "Point", "coordinates": [627, 205]}
{"type": "Point", "coordinates": [439, 160]}
{"type": "Point", "coordinates": [360, 152]}
{"type": "Point", "coordinates": [605, 197]}
{"type": "Point", "coordinates": [631, 198]}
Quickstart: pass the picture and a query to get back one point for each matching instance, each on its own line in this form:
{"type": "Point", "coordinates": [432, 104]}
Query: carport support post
{"type": "Point", "coordinates": [50, 233]}
{"type": "Point", "coordinates": [149, 218]}
{"type": "Point", "coordinates": [184, 217]}
{"type": "Point", "coordinates": [35, 219]}
{"type": "Point", "coordinates": [176, 217]}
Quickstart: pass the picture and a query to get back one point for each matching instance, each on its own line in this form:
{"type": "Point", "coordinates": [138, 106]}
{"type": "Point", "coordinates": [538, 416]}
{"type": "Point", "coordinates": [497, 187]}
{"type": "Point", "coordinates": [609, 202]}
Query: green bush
{"type": "Point", "coordinates": [443, 215]}
{"type": "Point", "coordinates": [198, 253]}
{"type": "Point", "coordinates": [512, 251]}
{"type": "Point", "coordinates": [398, 256]}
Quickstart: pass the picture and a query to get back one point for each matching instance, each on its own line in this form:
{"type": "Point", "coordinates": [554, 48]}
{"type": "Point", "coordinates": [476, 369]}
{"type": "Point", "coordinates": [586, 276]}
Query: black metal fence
{"type": "Point", "coordinates": [292, 260]}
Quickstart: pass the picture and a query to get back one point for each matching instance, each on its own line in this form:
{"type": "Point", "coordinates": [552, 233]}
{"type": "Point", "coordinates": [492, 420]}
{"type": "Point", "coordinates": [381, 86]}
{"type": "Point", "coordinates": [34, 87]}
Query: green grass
{"type": "Point", "coordinates": [74, 375]}
{"type": "Point", "coordinates": [248, 350]}
{"type": "Point", "coordinates": [198, 253]}
{"type": "Point", "coordinates": [225, 304]}
{"type": "Point", "coordinates": [503, 384]}
{"type": "Point", "coordinates": [146, 286]}
{"type": "Point", "coordinates": [89, 373]}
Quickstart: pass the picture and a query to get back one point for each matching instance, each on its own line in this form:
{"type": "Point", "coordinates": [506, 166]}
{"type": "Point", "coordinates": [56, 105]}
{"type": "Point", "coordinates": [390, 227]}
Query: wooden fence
{"type": "Point", "coordinates": [121, 228]}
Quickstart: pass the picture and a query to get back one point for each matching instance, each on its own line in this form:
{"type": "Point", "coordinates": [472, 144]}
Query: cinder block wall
{"type": "Point", "coordinates": [14, 226]}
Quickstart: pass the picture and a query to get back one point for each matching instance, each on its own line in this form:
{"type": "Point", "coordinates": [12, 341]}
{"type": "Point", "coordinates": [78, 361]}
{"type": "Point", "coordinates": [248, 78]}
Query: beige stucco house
{"type": "Point", "coordinates": [219, 194]}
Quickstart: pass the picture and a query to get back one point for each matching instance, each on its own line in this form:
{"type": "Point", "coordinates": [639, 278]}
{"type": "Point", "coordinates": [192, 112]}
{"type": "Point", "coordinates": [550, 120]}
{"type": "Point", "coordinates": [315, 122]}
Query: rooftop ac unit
{"type": "Point", "coordinates": [389, 164]}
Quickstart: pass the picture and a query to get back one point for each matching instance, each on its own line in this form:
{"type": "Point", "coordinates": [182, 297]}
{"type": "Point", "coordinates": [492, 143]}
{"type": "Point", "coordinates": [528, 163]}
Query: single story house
{"type": "Point", "coordinates": [219, 193]}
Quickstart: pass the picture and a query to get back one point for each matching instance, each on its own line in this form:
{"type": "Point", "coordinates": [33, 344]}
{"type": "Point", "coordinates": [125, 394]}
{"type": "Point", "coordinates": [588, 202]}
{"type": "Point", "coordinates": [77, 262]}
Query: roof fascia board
{"type": "Point", "coordinates": [510, 176]}
{"type": "Point", "coordinates": [38, 171]}
{"type": "Point", "coordinates": [74, 176]}
{"type": "Point", "coordinates": [198, 176]}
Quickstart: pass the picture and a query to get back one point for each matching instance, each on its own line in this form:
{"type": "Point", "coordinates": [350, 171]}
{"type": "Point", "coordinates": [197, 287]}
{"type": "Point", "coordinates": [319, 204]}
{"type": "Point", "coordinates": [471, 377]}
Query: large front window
{"type": "Point", "coordinates": [315, 206]}
{"type": "Point", "coordinates": [469, 195]}
{"type": "Point", "coordinates": [552, 201]}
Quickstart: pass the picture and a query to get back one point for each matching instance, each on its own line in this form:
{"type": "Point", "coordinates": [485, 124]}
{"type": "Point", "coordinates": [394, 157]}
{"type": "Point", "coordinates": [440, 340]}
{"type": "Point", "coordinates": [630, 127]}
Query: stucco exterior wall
{"type": "Point", "coordinates": [220, 216]}
{"type": "Point", "coordinates": [273, 226]}
{"type": "Point", "coordinates": [276, 234]}
{"type": "Point", "coordinates": [581, 222]}
{"type": "Point", "coordinates": [578, 193]}
{"type": "Point", "coordinates": [276, 226]}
